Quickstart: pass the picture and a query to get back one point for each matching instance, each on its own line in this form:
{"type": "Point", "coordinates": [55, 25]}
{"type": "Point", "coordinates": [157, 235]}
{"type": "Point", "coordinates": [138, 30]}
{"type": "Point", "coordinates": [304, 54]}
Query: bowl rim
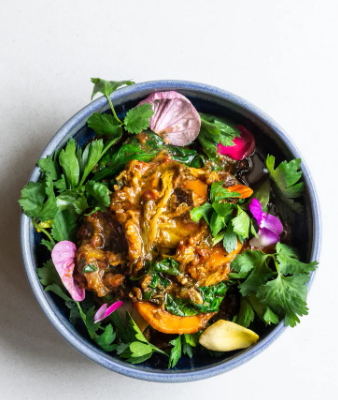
{"type": "Point", "coordinates": [46, 303]}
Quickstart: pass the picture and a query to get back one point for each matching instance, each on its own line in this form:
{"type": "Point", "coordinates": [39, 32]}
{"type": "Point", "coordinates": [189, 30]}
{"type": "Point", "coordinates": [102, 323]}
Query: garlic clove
{"type": "Point", "coordinates": [227, 336]}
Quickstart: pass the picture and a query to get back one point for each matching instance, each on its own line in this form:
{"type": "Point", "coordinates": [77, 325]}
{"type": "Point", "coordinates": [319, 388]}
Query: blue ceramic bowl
{"type": "Point", "coordinates": [270, 138]}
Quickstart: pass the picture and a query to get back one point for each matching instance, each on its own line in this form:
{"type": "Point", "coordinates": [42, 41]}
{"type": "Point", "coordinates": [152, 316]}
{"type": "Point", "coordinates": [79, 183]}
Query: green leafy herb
{"type": "Point", "coordinates": [230, 239]}
{"type": "Point", "coordinates": [89, 268]}
{"type": "Point", "coordinates": [289, 263]}
{"type": "Point", "coordinates": [138, 118]}
{"type": "Point", "coordinates": [204, 211]}
{"type": "Point", "coordinates": [167, 265]}
{"type": "Point", "coordinates": [48, 274]}
{"type": "Point", "coordinates": [215, 130]}
{"type": "Point", "coordinates": [64, 226]}
{"type": "Point", "coordinates": [241, 223]}
{"type": "Point", "coordinates": [48, 167]}
{"type": "Point", "coordinates": [70, 164]}
{"type": "Point", "coordinates": [105, 125]}
{"type": "Point", "coordinates": [58, 291]}
{"type": "Point", "coordinates": [176, 352]}
{"type": "Point", "coordinates": [285, 178]}
{"type": "Point", "coordinates": [246, 314]}
{"type": "Point", "coordinates": [107, 88]}
{"type": "Point", "coordinates": [101, 194]}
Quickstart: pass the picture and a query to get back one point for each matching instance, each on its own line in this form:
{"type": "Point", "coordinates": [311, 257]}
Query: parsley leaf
{"type": "Point", "coordinates": [48, 274]}
{"type": "Point", "coordinates": [137, 119]}
{"type": "Point", "coordinates": [47, 166]}
{"type": "Point", "coordinates": [64, 226]}
{"type": "Point", "coordinates": [248, 260]}
{"type": "Point", "coordinates": [100, 192]}
{"type": "Point", "coordinates": [176, 352]}
{"type": "Point", "coordinates": [260, 275]}
{"type": "Point", "coordinates": [104, 125]}
{"type": "Point", "coordinates": [58, 291]}
{"type": "Point", "coordinates": [286, 295]}
{"type": "Point", "coordinates": [230, 239]}
{"type": "Point", "coordinates": [80, 205]}
{"type": "Point", "coordinates": [70, 164]}
{"type": "Point", "coordinates": [204, 211]}
{"type": "Point", "coordinates": [216, 130]}
{"type": "Point", "coordinates": [246, 314]}
{"type": "Point", "coordinates": [218, 192]}
{"type": "Point", "coordinates": [241, 223]}
{"type": "Point", "coordinates": [289, 263]}
{"type": "Point", "coordinates": [285, 178]}
{"type": "Point", "coordinates": [217, 223]}
{"type": "Point", "coordinates": [106, 339]}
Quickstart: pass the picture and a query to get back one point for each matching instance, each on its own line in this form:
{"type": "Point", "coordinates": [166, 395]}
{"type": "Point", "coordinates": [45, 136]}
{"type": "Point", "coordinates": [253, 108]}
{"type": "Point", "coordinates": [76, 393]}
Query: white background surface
{"type": "Point", "coordinates": [280, 55]}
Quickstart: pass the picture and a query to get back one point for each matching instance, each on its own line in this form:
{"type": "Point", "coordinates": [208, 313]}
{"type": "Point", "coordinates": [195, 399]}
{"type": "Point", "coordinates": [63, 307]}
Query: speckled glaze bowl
{"type": "Point", "coordinates": [270, 138]}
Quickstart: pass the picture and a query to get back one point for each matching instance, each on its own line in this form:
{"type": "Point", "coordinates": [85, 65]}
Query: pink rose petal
{"type": "Point", "coordinates": [175, 118]}
{"type": "Point", "coordinates": [243, 145]}
{"type": "Point", "coordinates": [63, 256]}
{"type": "Point", "coordinates": [104, 311]}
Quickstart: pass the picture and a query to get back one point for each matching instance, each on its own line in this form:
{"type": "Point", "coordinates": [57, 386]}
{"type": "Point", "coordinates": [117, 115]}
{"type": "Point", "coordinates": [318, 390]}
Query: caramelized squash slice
{"type": "Point", "coordinates": [165, 322]}
{"type": "Point", "coordinates": [243, 190]}
{"type": "Point", "coordinates": [219, 256]}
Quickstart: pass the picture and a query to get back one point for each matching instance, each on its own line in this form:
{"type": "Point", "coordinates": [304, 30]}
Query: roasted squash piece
{"type": "Point", "coordinates": [243, 190]}
{"type": "Point", "coordinates": [219, 256]}
{"type": "Point", "coordinates": [165, 322]}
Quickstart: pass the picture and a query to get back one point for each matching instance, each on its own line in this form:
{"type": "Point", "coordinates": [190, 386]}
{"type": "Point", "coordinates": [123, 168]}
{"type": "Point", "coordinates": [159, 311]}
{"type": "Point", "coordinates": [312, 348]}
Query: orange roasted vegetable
{"type": "Point", "coordinates": [243, 190]}
{"type": "Point", "coordinates": [219, 256]}
{"type": "Point", "coordinates": [165, 322]}
{"type": "Point", "coordinates": [200, 190]}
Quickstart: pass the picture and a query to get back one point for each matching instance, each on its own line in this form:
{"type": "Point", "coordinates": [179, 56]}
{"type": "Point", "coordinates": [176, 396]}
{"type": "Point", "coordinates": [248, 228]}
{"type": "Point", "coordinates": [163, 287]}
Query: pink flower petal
{"type": "Point", "coordinates": [272, 223]}
{"type": "Point", "coordinates": [175, 118]}
{"type": "Point", "coordinates": [99, 315]}
{"type": "Point", "coordinates": [266, 238]}
{"type": "Point", "coordinates": [243, 146]}
{"type": "Point", "coordinates": [104, 310]}
{"type": "Point", "coordinates": [256, 210]}
{"type": "Point", "coordinates": [63, 256]}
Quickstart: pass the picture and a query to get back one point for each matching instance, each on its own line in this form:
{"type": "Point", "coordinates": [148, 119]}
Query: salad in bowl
{"type": "Point", "coordinates": [169, 234]}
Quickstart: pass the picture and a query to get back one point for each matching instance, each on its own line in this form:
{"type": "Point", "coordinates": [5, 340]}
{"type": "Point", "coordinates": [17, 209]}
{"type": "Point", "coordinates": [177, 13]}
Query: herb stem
{"type": "Point", "coordinates": [39, 228]}
{"type": "Point", "coordinates": [276, 264]}
{"type": "Point", "coordinates": [113, 110]}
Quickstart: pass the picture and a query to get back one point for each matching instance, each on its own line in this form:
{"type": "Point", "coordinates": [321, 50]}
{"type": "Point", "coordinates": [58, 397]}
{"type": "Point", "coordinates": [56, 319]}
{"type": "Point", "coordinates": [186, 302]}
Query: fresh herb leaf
{"type": "Point", "coordinates": [167, 265]}
{"type": "Point", "coordinates": [107, 87]}
{"type": "Point", "coordinates": [241, 223]}
{"type": "Point", "coordinates": [204, 211]}
{"type": "Point", "coordinates": [104, 125]}
{"type": "Point", "coordinates": [289, 263]}
{"type": "Point", "coordinates": [137, 119]}
{"type": "Point", "coordinates": [80, 205]}
{"type": "Point", "coordinates": [93, 154]}
{"type": "Point", "coordinates": [64, 226]}
{"type": "Point", "coordinates": [58, 291]}
{"type": "Point", "coordinates": [217, 223]}
{"type": "Point", "coordinates": [70, 164]}
{"type": "Point", "coordinates": [262, 310]}
{"type": "Point", "coordinates": [259, 276]}
{"type": "Point", "coordinates": [176, 352]}
{"type": "Point", "coordinates": [230, 239]}
{"type": "Point", "coordinates": [48, 274]}
{"type": "Point", "coordinates": [180, 307]}
{"type": "Point", "coordinates": [246, 314]}
{"type": "Point", "coordinates": [215, 130]}
{"type": "Point", "coordinates": [100, 192]}
{"type": "Point", "coordinates": [248, 260]}
{"type": "Point", "coordinates": [48, 167]}
{"type": "Point", "coordinates": [285, 178]}
{"type": "Point", "coordinates": [48, 244]}
{"type": "Point", "coordinates": [89, 268]}
{"type": "Point", "coordinates": [218, 192]}
{"type": "Point", "coordinates": [32, 198]}
{"type": "Point", "coordinates": [225, 210]}
{"type": "Point", "coordinates": [106, 339]}
{"type": "Point", "coordinates": [286, 296]}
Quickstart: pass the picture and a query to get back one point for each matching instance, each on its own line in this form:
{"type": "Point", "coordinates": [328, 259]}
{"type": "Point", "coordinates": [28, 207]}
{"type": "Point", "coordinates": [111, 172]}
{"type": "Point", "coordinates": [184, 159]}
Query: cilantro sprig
{"type": "Point", "coordinates": [136, 120]}
{"type": "Point", "coordinates": [273, 284]}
